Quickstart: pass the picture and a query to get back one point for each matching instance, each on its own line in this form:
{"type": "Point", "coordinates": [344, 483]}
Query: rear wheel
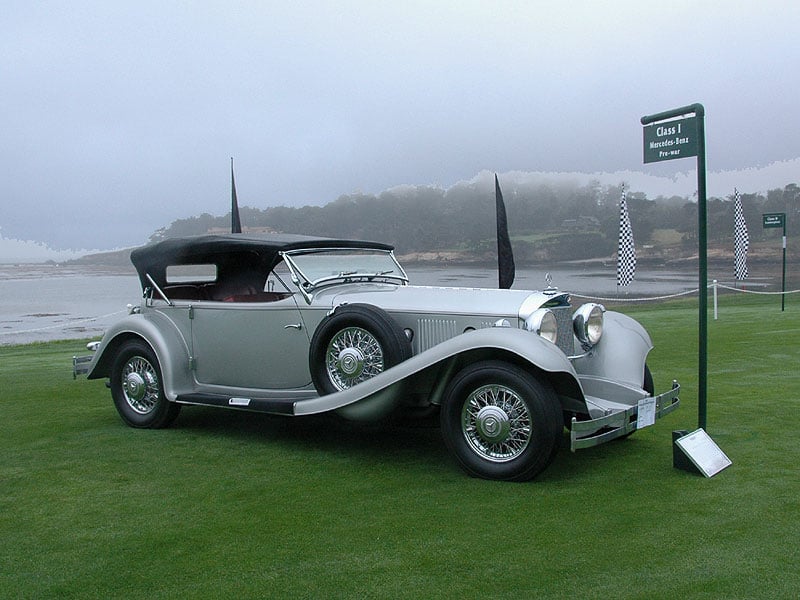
{"type": "Point", "coordinates": [500, 422]}
{"type": "Point", "coordinates": [137, 389]}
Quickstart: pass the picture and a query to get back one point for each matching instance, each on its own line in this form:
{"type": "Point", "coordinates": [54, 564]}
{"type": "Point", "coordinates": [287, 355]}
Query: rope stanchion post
{"type": "Point", "coordinates": [716, 312]}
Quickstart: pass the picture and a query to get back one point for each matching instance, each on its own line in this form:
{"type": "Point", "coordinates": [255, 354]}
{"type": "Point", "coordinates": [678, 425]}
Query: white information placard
{"type": "Point", "coordinates": [703, 452]}
{"type": "Point", "coordinates": [646, 414]}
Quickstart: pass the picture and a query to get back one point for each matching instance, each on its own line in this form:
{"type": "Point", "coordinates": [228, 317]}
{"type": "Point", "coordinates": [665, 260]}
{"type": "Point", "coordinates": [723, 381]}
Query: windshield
{"type": "Point", "coordinates": [321, 266]}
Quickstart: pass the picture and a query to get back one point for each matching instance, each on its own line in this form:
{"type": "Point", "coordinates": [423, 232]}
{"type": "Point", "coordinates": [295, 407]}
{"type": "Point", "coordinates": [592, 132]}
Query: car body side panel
{"type": "Point", "coordinates": [622, 351]}
{"type": "Point", "coordinates": [238, 348]}
{"type": "Point", "coordinates": [259, 345]}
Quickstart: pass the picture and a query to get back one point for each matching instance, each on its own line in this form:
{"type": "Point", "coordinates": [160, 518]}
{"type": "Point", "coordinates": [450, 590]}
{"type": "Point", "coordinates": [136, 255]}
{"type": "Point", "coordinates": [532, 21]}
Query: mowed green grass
{"type": "Point", "coordinates": [228, 504]}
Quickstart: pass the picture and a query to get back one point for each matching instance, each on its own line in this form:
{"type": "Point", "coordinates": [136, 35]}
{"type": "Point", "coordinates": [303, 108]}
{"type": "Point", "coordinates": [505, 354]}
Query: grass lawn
{"type": "Point", "coordinates": [228, 504]}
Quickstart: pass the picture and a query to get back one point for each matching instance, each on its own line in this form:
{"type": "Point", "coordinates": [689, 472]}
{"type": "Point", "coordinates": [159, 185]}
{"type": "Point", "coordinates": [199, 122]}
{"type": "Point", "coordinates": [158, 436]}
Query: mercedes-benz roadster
{"type": "Point", "coordinates": [293, 325]}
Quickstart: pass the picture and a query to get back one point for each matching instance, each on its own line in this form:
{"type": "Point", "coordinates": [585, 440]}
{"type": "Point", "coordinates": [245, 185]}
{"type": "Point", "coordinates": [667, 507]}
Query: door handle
{"type": "Point", "coordinates": [297, 326]}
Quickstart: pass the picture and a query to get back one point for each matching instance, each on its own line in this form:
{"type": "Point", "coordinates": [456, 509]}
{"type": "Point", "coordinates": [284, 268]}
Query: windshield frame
{"type": "Point", "coordinates": [349, 272]}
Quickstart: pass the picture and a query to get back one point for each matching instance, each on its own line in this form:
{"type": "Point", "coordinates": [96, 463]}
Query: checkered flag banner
{"type": "Point", "coordinates": [741, 241]}
{"type": "Point", "coordinates": [626, 251]}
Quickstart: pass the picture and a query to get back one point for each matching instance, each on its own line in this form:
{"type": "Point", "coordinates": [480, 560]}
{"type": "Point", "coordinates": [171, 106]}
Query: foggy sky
{"type": "Point", "coordinates": [117, 118]}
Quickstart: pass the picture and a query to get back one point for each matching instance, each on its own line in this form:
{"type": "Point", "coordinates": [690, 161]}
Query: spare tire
{"type": "Point", "coordinates": [353, 344]}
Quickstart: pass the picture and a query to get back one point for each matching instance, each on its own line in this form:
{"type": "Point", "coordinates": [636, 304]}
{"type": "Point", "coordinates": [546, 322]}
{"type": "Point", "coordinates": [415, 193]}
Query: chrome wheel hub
{"type": "Point", "coordinates": [492, 424]}
{"type": "Point", "coordinates": [135, 386]}
{"type": "Point", "coordinates": [496, 423]}
{"type": "Point", "coordinates": [351, 362]}
{"type": "Point", "coordinates": [140, 385]}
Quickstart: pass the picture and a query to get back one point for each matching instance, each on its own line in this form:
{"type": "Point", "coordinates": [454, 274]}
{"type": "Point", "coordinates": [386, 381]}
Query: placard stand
{"type": "Point", "coordinates": [697, 453]}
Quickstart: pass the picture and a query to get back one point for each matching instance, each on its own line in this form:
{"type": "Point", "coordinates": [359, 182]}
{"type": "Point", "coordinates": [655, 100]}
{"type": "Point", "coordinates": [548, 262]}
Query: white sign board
{"type": "Point", "coordinates": [646, 415]}
{"type": "Point", "coordinates": [703, 452]}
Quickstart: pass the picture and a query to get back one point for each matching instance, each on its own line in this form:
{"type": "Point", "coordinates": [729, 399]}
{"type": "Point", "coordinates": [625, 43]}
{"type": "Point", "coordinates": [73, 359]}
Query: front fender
{"type": "Point", "coordinates": [378, 395]}
{"type": "Point", "coordinates": [164, 338]}
{"type": "Point", "coordinates": [620, 354]}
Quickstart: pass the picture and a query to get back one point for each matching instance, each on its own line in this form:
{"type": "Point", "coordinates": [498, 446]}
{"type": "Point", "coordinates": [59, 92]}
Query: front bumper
{"type": "Point", "coordinates": [80, 365]}
{"type": "Point", "coordinates": [585, 434]}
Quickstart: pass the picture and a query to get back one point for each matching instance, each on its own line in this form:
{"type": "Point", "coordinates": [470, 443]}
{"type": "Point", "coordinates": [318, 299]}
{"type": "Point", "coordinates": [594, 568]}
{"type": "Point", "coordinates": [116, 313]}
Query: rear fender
{"type": "Point", "coordinates": [161, 334]}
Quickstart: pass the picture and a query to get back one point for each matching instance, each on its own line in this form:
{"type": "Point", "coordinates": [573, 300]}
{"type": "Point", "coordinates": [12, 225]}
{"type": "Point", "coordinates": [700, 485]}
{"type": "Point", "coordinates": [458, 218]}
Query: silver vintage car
{"type": "Point", "coordinates": [294, 325]}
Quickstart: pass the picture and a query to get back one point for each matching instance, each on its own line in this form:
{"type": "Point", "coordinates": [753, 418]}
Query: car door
{"type": "Point", "coordinates": [257, 345]}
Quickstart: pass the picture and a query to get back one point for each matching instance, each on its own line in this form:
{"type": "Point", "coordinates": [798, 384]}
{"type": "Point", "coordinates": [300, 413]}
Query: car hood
{"type": "Point", "coordinates": [441, 300]}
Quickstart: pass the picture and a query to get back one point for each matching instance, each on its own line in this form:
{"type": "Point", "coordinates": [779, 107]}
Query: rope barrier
{"type": "Point", "coordinates": [727, 287]}
{"type": "Point", "coordinates": [644, 299]}
{"type": "Point", "coordinates": [679, 294]}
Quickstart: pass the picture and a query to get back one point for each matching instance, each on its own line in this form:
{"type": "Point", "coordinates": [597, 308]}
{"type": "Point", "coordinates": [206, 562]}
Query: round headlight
{"type": "Point", "coordinates": [543, 323]}
{"type": "Point", "coordinates": [588, 323]}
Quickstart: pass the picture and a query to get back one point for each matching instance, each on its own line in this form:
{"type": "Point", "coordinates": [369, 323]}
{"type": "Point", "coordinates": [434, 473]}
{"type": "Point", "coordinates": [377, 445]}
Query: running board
{"type": "Point", "coordinates": [262, 405]}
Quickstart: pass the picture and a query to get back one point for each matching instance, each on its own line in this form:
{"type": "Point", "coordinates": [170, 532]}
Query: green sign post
{"type": "Point", "coordinates": [680, 133]}
{"type": "Point", "coordinates": [775, 221]}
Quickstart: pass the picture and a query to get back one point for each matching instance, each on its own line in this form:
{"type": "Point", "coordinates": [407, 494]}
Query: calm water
{"type": "Point", "coordinates": [46, 302]}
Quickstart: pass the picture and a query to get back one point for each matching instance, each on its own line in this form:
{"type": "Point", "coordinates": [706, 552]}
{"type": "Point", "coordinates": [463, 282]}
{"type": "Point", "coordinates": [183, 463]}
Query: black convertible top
{"type": "Point", "coordinates": [233, 253]}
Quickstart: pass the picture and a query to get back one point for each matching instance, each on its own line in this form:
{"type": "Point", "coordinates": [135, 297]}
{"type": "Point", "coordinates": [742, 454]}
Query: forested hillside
{"type": "Point", "coordinates": [547, 222]}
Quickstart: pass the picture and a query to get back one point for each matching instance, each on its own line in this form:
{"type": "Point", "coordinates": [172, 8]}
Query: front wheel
{"type": "Point", "coordinates": [137, 389]}
{"type": "Point", "coordinates": [500, 422]}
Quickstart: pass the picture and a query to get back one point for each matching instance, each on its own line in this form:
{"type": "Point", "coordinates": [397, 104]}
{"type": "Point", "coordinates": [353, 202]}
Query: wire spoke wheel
{"type": "Point", "coordinates": [496, 423]}
{"type": "Point", "coordinates": [352, 344]}
{"type": "Point", "coordinates": [354, 355]}
{"type": "Point", "coordinates": [140, 385]}
{"type": "Point", "coordinates": [137, 389]}
{"type": "Point", "coordinates": [501, 421]}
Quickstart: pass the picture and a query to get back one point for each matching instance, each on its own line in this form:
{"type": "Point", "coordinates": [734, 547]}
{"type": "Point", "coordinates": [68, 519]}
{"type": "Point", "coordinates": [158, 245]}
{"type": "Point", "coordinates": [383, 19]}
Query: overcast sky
{"type": "Point", "coordinates": [118, 117]}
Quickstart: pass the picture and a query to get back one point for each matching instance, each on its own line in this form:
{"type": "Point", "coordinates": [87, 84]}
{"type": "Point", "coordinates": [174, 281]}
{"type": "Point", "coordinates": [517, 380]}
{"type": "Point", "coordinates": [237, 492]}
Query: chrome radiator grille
{"type": "Point", "coordinates": [565, 339]}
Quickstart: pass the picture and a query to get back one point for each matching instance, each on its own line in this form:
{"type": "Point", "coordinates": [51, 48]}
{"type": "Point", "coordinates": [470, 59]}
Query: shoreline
{"type": "Point", "coordinates": [43, 302]}
{"type": "Point", "coordinates": [431, 260]}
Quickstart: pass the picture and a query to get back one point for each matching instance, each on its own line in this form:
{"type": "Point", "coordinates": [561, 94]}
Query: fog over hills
{"type": "Point", "coordinates": [683, 184]}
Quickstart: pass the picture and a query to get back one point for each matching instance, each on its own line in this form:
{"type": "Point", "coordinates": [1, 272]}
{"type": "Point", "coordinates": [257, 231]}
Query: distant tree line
{"type": "Point", "coordinates": [563, 221]}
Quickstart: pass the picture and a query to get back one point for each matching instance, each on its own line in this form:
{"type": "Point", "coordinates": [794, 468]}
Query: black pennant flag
{"type": "Point", "coordinates": [505, 257]}
{"type": "Point", "coordinates": [236, 223]}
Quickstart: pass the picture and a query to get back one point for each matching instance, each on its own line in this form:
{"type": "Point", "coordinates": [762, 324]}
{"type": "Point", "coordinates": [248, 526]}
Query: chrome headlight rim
{"type": "Point", "coordinates": [587, 323]}
{"type": "Point", "coordinates": [543, 323]}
